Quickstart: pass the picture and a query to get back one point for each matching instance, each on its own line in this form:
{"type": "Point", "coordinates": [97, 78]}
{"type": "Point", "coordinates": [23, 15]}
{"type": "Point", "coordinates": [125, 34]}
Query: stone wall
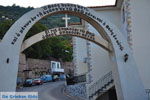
{"type": "Point", "coordinates": [77, 90]}
{"type": "Point", "coordinates": [22, 65]}
{"type": "Point", "coordinates": [38, 67]}
{"type": "Point", "coordinates": [68, 67]}
{"type": "Point", "coordinates": [33, 68]}
{"type": "Point", "coordinates": [22, 62]}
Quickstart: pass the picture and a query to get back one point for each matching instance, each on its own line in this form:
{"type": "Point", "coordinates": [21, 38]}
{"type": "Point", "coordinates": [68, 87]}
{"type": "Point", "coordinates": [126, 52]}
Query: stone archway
{"type": "Point", "coordinates": [127, 80]}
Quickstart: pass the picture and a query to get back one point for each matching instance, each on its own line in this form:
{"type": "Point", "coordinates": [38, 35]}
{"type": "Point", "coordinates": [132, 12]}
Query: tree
{"type": "Point", "coordinates": [61, 48]}
{"type": "Point", "coordinates": [40, 50]}
{"type": "Point", "coordinates": [57, 47]}
{"type": "Point", "coordinates": [4, 26]}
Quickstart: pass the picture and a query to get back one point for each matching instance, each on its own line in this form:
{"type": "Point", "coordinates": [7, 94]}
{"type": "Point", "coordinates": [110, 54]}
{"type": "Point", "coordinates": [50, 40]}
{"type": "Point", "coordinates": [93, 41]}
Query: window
{"type": "Point", "coordinates": [58, 65]}
{"type": "Point", "coordinates": [53, 65]}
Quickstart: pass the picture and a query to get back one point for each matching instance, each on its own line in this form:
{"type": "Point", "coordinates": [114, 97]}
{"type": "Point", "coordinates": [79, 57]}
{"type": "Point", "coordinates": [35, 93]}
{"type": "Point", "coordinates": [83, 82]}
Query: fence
{"type": "Point", "coordinates": [101, 85]}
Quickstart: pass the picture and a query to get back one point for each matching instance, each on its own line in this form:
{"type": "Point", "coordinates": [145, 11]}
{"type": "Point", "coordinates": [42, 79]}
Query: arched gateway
{"type": "Point", "coordinates": [127, 81]}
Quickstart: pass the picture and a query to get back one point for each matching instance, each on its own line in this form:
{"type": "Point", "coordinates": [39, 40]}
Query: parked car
{"type": "Point", "coordinates": [28, 82]}
{"type": "Point", "coordinates": [46, 78]}
{"type": "Point", "coordinates": [37, 81]}
{"type": "Point", "coordinates": [62, 77]}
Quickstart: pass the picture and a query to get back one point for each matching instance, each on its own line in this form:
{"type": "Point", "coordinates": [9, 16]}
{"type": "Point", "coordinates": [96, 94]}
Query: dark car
{"type": "Point", "coordinates": [37, 81]}
{"type": "Point", "coordinates": [28, 82]}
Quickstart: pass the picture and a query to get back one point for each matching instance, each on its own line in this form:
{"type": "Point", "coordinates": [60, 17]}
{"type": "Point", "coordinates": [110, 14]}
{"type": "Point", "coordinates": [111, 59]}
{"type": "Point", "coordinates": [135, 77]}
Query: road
{"type": "Point", "coordinates": [48, 91]}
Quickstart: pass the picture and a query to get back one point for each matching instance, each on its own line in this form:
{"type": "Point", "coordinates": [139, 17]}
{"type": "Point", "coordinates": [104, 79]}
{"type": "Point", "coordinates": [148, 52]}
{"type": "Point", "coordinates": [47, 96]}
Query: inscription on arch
{"type": "Point", "coordinates": [69, 31]}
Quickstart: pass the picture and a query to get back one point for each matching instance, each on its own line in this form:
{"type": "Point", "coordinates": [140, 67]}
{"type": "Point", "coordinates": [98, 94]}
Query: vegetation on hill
{"type": "Point", "coordinates": [57, 47]}
{"type": "Point", "coordinates": [4, 26]}
{"type": "Point", "coordinates": [14, 12]}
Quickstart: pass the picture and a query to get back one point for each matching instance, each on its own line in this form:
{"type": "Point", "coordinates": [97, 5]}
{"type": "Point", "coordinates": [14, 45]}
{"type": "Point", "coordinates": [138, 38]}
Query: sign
{"type": "Point", "coordinates": [69, 31]}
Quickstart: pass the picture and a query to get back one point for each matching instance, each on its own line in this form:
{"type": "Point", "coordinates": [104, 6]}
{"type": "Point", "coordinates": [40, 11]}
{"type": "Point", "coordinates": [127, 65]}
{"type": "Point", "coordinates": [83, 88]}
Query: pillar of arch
{"type": "Point", "coordinates": [127, 81]}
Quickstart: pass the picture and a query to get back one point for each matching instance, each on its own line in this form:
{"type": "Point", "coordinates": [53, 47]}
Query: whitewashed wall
{"type": "Point", "coordinates": [80, 53]}
{"type": "Point", "coordinates": [100, 60]}
{"type": "Point", "coordinates": [140, 29]}
{"type": "Point", "coordinates": [112, 15]}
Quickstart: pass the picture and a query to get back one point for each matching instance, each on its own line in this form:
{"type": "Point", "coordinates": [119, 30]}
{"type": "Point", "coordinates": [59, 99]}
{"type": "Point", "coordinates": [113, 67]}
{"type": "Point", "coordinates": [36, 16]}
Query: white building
{"type": "Point", "coordinates": [132, 17]}
{"type": "Point", "coordinates": [56, 67]}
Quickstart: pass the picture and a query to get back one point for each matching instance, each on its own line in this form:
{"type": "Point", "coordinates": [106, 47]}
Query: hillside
{"type": "Point", "coordinates": [14, 12]}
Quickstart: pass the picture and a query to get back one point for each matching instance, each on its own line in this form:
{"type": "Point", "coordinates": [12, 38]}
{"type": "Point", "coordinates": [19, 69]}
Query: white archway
{"type": "Point", "coordinates": [78, 32]}
{"type": "Point", "coordinates": [127, 80]}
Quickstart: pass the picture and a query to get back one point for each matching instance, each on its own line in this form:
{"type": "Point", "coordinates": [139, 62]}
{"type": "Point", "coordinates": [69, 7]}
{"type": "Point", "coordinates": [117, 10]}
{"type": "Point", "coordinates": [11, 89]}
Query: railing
{"type": "Point", "coordinates": [101, 85]}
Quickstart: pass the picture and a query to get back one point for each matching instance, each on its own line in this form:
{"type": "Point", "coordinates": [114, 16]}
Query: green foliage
{"type": "Point", "coordinates": [38, 27]}
{"type": "Point", "coordinates": [4, 26]}
{"type": "Point", "coordinates": [13, 12]}
{"type": "Point", "coordinates": [61, 48]}
{"type": "Point", "coordinates": [56, 20]}
{"type": "Point", "coordinates": [57, 47]}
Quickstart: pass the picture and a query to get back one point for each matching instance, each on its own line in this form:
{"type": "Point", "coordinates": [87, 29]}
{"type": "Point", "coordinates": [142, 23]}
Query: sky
{"type": "Point", "coordinates": [39, 3]}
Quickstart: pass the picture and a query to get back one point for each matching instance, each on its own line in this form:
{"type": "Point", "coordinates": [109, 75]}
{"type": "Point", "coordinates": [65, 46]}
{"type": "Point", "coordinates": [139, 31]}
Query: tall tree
{"type": "Point", "coordinates": [4, 26]}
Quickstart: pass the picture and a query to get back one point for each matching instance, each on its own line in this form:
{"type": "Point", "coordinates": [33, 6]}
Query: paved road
{"type": "Point", "coordinates": [48, 91]}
